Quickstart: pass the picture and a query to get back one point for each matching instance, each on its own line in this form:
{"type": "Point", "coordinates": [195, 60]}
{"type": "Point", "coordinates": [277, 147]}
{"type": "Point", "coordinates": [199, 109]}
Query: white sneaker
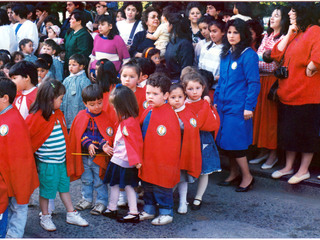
{"type": "Point", "coordinates": [75, 219]}
{"type": "Point", "coordinates": [46, 223]}
{"type": "Point", "coordinates": [83, 204]}
{"type": "Point", "coordinates": [122, 202]}
{"type": "Point", "coordinates": [98, 209]}
{"type": "Point", "coordinates": [183, 208]}
{"type": "Point", "coordinates": [162, 220]}
{"type": "Point", "coordinates": [145, 216]}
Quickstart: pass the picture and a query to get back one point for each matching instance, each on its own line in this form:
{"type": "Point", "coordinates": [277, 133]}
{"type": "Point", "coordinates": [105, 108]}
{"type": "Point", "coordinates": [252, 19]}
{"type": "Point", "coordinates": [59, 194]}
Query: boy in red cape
{"type": "Point", "coordinates": [18, 174]}
{"type": "Point", "coordinates": [160, 170]}
{"type": "Point", "coordinates": [90, 134]}
{"type": "Point", "coordinates": [24, 74]}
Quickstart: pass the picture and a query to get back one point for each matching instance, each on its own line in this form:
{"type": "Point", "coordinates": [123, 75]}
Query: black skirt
{"type": "Point", "coordinates": [116, 175]}
{"type": "Point", "coordinates": [299, 127]}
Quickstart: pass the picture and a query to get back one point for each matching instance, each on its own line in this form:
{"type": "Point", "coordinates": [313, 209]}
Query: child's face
{"type": "Point", "coordinates": [104, 28]}
{"type": "Point", "coordinates": [17, 58]}
{"type": "Point", "coordinates": [4, 102]}
{"type": "Point", "coordinates": [101, 8]}
{"type": "Point", "coordinates": [119, 17]}
{"type": "Point", "coordinates": [57, 102]}
{"type": "Point", "coordinates": [204, 30]}
{"type": "Point", "coordinates": [20, 81]}
{"type": "Point", "coordinates": [131, 12]}
{"type": "Point", "coordinates": [42, 73]}
{"type": "Point", "coordinates": [215, 34]}
{"type": "Point", "coordinates": [51, 34]}
{"type": "Point", "coordinates": [47, 49]}
{"type": "Point", "coordinates": [212, 11]}
{"type": "Point", "coordinates": [194, 90]}
{"type": "Point", "coordinates": [74, 67]}
{"type": "Point", "coordinates": [28, 48]}
{"type": "Point", "coordinates": [176, 98]}
{"type": "Point", "coordinates": [156, 58]}
{"type": "Point", "coordinates": [94, 107]}
{"type": "Point", "coordinates": [155, 97]}
{"type": "Point", "coordinates": [129, 77]}
{"type": "Point", "coordinates": [194, 15]}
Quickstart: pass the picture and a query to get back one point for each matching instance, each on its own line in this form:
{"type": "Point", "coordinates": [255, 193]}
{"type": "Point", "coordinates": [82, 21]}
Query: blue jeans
{"type": "Point", "coordinates": [3, 223]}
{"type": "Point", "coordinates": [17, 219]}
{"type": "Point", "coordinates": [91, 180]}
{"type": "Point", "coordinates": [154, 195]}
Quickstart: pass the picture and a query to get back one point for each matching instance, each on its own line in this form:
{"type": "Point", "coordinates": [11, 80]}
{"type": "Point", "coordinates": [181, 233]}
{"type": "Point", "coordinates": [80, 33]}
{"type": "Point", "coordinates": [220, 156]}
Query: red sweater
{"type": "Point", "coordinates": [298, 89]}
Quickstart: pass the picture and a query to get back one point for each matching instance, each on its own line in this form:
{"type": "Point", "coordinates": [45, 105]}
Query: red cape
{"type": "Point", "coordinates": [40, 130]}
{"type": "Point", "coordinates": [191, 146]}
{"type": "Point", "coordinates": [30, 98]}
{"type": "Point", "coordinates": [79, 126]}
{"type": "Point", "coordinates": [17, 164]}
{"type": "Point", "coordinates": [161, 149]}
{"type": "Point", "coordinates": [207, 115]}
{"type": "Point", "coordinates": [108, 108]}
{"type": "Point", "coordinates": [131, 132]}
{"type": "Point", "coordinates": [141, 99]}
{"type": "Point", "coordinates": [4, 198]}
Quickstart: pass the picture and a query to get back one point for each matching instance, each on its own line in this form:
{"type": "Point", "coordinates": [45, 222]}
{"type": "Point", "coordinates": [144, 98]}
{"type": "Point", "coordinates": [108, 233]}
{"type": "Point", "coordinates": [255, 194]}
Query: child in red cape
{"type": "Point", "coordinates": [50, 143]}
{"type": "Point", "coordinates": [190, 156]}
{"type": "Point", "coordinates": [24, 74]}
{"type": "Point", "coordinates": [90, 134]}
{"type": "Point", "coordinates": [209, 121]}
{"type": "Point", "coordinates": [127, 154]}
{"type": "Point", "coordinates": [18, 173]}
{"type": "Point", "coordinates": [160, 170]}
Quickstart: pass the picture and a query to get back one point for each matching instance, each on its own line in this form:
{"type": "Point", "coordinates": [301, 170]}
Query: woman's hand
{"type": "Point", "coordinates": [138, 165]}
{"type": "Point", "coordinates": [293, 28]}
{"type": "Point", "coordinates": [92, 150]}
{"type": "Point", "coordinates": [247, 114]}
{"type": "Point", "coordinates": [311, 69]}
{"type": "Point", "coordinates": [107, 149]}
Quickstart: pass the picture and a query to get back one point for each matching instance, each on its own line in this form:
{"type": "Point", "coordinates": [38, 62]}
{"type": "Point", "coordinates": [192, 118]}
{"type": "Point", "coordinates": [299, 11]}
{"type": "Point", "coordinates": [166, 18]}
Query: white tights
{"type": "Point", "coordinates": [131, 195]}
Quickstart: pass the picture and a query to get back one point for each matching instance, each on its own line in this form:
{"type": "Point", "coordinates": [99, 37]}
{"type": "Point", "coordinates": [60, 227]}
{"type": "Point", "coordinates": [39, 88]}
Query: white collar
{"type": "Point", "coordinates": [76, 74]}
{"type": "Point", "coordinates": [25, 92]}
{"type": "Point", "coordinates": [192, 101]}
{"type": "Point", "coordinates": [180, 108]}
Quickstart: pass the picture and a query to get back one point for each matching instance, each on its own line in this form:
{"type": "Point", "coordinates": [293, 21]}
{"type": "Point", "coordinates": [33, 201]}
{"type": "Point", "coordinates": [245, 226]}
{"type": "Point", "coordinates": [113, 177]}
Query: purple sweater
{"type": "Point", "coordinates": [114, 50]}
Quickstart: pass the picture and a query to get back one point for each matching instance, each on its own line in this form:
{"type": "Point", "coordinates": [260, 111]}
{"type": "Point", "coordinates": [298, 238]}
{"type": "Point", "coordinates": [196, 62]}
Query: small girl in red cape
{"type": "Point", "coordinates": [49, 139]}
{"type": "Point", "coordinates": [190, 156]}
{"type": "Point", "coordinates": [122, 171]}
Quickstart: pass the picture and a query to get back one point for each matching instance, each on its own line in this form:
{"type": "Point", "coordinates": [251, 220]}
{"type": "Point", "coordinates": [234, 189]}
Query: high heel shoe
{"type": "Point", "coordinates": [245, 189]}
{"type": "Point", "coordinates": [236, 180]}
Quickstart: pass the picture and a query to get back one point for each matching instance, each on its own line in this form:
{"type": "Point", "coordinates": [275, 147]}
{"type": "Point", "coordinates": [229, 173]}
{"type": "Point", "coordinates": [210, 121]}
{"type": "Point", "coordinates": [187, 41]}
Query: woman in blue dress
{"type": "Point", "coordinates": [235, 99]}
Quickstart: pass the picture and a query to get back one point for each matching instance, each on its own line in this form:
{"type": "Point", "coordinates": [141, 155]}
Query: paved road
{"type": "Point", "coordinates": [273, 209]}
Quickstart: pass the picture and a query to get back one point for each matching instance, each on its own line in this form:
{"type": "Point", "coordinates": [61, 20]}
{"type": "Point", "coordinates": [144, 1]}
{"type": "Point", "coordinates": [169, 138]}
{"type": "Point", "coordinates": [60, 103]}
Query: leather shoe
{"type": "Point", "coordinates": [259, 160]}
{"type": "Point", "coordinates": [236, 180]}
{"type": "Point", "coordinates": [110, 214]}
{"type": "Point", "coordinates": [278, 174]}
{"type": "Point", "coordinates": [295, 180]}
{"type": "Point", "coordinates": [245, 189]}
{"type": "Point", "coordinates": [196, 207]}
{"type": "Point", "coordinates": [267, 166]}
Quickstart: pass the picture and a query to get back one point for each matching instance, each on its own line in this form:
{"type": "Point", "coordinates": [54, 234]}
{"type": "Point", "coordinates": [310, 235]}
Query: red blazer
{"type": "Point", "coordinates": [79, 126]}
{"type": "Point", "coordinates": [141, 99]}
{"type": "Point", "coordinates": [40, 129]}
{"type": "Point", "coordinates": [190, 157]}
{"type": "Point", "coordinates": [161, 149]}
{"type": "Point", "coordinates": [17, 164]}
{"type": "Point", "coordinates": [131, 132]}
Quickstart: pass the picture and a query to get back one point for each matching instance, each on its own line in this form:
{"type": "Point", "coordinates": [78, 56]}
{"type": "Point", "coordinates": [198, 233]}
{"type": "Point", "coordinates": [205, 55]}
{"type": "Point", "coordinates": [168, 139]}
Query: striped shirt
{"type": "Point", "coordinates": [53, 150]}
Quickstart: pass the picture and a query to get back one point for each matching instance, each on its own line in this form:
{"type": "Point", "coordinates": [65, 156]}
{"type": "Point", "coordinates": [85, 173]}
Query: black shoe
{"type": "Point", "coordinates": [130, 218]}
{"type": "Point", "coordinates": [245, 189]}
{"type": "Point", "coordinates": [110, 214]}
{"type": "Point", "coordinates": [236, 180]}
{"type": "Point", "coordinates": [196, 207]}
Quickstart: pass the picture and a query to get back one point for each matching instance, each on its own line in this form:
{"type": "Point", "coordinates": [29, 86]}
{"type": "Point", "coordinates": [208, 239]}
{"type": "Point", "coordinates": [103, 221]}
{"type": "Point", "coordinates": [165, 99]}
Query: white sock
{"type": "Point", "coordinates": [183, 190]}
{"type": "Point", "coordinates": [51, 206]}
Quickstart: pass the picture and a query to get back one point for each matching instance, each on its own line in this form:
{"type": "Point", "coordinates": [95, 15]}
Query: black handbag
{"type": "Point", "coordinates": [272, 95]}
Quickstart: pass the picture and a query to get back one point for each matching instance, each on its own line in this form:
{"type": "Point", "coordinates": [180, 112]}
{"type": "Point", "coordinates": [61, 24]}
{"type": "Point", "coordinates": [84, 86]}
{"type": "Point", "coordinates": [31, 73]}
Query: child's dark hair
{"type": "Point", "coordinates": [124, 102]}
{"type": "Point", "coordinates": [17, 53]}
{"type": "Point", "coordinates": [47, 57]}
{"type": "Point", "coordinates": [4, 58]}
{"type": "Point", "coordinates": [79, 58]}
{"type": "Point", "coordinates": [195, 77]}
{"type": "Point", "coordinates": [205, 19]}
{"type": "Point", "coordinates": [23, 42]}
{"type": "Point", "coordinates": [51, 43]}
{"type": "Point", "coordinates": [131, 64]}
{"type": "Point", "coordinates": [208, 77]}
{"type": "Point", "coordinates": [110, 20]}
{"type": "Point", "coordinates": [106, 74]}
{"type": "Point", "coordinates": [120, 10]}
{"type": "Point", "coordinates": [146, 65]}
{"type": "Point", "coordinates": [8, 87]}
{"type": "Point", "coordinates": [8, 65]}
{"type": "Point", "coordinates": [219, 24]}
{"type": "Point", "coordinates": [41, 63]}
{"type": "Point", "coordinates": [47, 92]}
{"type": "Point", "coordinates": [160, 80]}
{"type": "Point", "coordinates": [176, 86]}
{"type": "Point", "coordinates": [20, 10]}
{"type": "Point", "coordinates": [149, 52]}
{"type": "Point", "coordinates": [92, 92]}
{"type": "Point", "coordinates": [25, 69]}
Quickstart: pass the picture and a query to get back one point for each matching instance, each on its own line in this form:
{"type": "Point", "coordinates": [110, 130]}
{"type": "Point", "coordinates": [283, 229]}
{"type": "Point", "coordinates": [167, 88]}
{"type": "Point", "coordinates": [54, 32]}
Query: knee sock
{"type": "Point", "coordinates": [114, 196]}
{"type": "Point", "coordinates": [183, 190]}
{"type": "Point", "coordinates": [132, 199]}
{"type": "Point", "coordinates": [202, 186]}
{"type": "Point", "coordinates": [51, 206]}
